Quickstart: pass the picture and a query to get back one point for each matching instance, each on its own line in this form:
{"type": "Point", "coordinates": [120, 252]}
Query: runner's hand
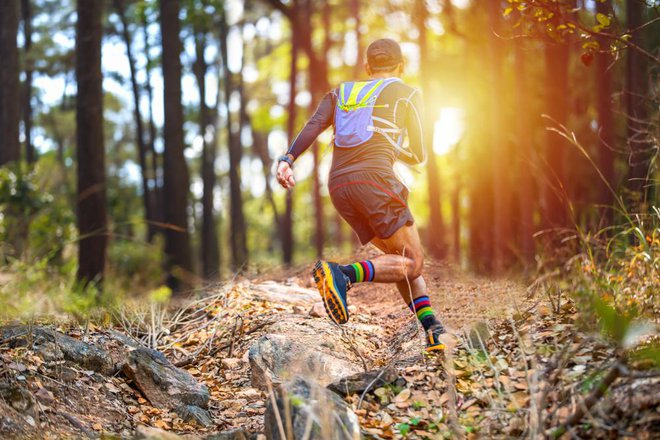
{"type": "Point", "coordinates": [285, 175]}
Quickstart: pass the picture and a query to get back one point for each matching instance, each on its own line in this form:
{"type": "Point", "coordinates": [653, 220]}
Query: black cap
{"type": "Point", "coordinates": [384, 54]}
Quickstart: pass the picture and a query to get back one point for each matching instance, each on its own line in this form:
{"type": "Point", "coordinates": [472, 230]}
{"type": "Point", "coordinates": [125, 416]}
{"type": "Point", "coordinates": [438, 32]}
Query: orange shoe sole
{"type": "Point", "coordinates": [325, 283]}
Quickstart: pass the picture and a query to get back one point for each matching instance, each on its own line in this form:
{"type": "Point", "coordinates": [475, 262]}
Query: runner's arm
{"type": "Point", "coordinates": [415, 128]}
{"type": "Point", "coordinates": [321, 120]}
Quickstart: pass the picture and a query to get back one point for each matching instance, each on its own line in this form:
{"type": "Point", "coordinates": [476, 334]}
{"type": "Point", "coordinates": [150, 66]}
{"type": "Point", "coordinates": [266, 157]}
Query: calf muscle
{"type": "Point", "coordinates": [403, 260]}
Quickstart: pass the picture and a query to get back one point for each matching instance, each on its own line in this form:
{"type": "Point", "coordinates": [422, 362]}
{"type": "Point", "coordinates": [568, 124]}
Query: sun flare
{"type": "Point", "coordinates": [449, 129]}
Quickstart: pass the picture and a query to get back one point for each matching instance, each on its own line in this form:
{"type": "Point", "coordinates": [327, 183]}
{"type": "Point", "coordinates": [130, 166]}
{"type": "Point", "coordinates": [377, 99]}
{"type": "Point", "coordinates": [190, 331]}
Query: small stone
{"type": "Point", "coordinates": [44, 395]}
{"type": "Point", "coordinates": [231, 363]}
{"type": "Point", "coordinates": [359, 382]}
{"type": "Point", "coordinates": [317, 310]}
{"type": "Point", "coordinates": [194, 414]}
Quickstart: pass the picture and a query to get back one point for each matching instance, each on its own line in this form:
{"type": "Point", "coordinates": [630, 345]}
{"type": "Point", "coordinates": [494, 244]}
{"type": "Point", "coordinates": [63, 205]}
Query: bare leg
{"type": "Point", "coordinates": [390, 265]}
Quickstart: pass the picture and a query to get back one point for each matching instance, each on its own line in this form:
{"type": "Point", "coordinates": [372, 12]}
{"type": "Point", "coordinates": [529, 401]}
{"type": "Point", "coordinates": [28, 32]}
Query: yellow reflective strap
{"type": "Point", "coordinates": [343, 100]}
{"type": "Point", "coordinates": [352, 98]}
{"type": "Point", "coordinates": [366, 97]}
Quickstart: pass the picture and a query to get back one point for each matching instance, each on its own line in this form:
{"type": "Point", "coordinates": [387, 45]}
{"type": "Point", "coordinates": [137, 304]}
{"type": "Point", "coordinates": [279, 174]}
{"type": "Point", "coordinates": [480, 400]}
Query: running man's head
{"type": "Point", "coordinates": [384, 58]}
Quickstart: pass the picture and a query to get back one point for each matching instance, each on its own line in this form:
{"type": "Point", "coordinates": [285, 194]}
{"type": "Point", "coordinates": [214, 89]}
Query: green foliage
{"type": "Point", "coordinates": [19, 191]}
{"type": "Point", "coordinates": [135, 264]}
{"type": "Point", "coordinates": [615, 287]}
{"type": "Point", "coordinates": [160, 295]}
{"type": "Point", "coordinates": [403, 428]}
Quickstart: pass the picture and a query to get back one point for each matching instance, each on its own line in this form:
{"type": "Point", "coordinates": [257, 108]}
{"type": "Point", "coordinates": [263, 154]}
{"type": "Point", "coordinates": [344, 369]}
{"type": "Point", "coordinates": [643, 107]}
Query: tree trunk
{"type": "Point", "coordinates": [26, 9]}
{"type": "Point", "coordinates": [500, 189]}
{"type": "Point", "coordinates": [606, 133]}
{"type": "Point", "coordinates": [525, 151]}
{"type": "Point", "coordinates": [237, 220]}
{"type": "Point", "coordinates": [9, 85]}
{"type": "Point", "coordinates": [435, 234]}
{"type": "Point", "coordinates": [92, 217]}
{"type": "Point", "coordinates": [175, 171]}
{"type": "Point", "coordinates": [456, 206]}
{"type": "Point", "coordinates": [287, 220]}
{"type": "Point", "coordinates": [555, 197]}
{"type": "Point", "coordinates": [147, 199]}
{"type": "Point", "coordinates": [480, 219]}
{"type": "Point", "coordinates": [359, 62]}
{"type": "Point", "coordinates": [157, 193]}
{"type": "Point", "coordinates": [637, 102]}
{"type": "Point", "coordinates": [318, 74]}
{"type": "Point", "coordinates": [209, 245]}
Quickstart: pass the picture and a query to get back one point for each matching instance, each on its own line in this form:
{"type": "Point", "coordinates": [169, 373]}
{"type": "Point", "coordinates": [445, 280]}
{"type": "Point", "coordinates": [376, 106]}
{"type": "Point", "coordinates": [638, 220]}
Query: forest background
{"type": "Point", "coordinates": [137, 138]}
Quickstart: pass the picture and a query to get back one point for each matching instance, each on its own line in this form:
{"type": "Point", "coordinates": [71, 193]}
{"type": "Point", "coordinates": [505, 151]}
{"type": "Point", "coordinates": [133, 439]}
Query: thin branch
{"type": "Point", "coordinates": [593, 398]}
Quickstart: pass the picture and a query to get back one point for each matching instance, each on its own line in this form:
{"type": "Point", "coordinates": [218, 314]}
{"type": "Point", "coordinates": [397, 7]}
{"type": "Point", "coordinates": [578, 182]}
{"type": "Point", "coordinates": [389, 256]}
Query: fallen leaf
{"type": "Point", "coordinates": [402, 396]}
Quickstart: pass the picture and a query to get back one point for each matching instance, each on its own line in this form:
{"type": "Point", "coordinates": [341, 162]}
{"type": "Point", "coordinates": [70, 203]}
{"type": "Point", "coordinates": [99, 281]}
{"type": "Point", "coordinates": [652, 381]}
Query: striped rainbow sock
{"type": "Point", "coordinates": [360, 272]}
{"type": "Point", "coordinates": [422, 308]}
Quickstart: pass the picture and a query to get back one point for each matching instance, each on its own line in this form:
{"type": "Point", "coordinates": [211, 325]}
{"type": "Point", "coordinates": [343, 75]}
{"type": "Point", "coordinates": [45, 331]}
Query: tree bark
{"type": "Point", "coordinates": [209, 245]}
{"type": "Point", "coordinates": [435, 233]}
{"type": "Point", "coordinates": [318, 74]}
{"type": "Point", "coordinates": [176, 180]}
{"type": "Point", "coordinates": [637, 102]}
{"type": "Point", "coordinates": [299, 15]}
{"type": "Point", "coordinates": [500, 189]}
{"type": "Point", "coordinates": [9, 84]}
{"type": "Point", "coordinates": [157, 197]}
{"type": "Point", "coordinates": [237, 219]}
{"type": "Point", "coordinates": [525, 151]}
{"type": "Point", "coordinates": [606, 133]}
{"type": "Point", "coordinates": [26, 9]}
{"type": "Point", "coordinates": [555, 193]}
{"type": "Point", "coordinates": [287, 220]}
{"type": "Point", "coordinates": [147, 195]}
{"type": "Point", "coordinates": [359, 62]}
{"type": "Point", "coordinates": [91, 205]}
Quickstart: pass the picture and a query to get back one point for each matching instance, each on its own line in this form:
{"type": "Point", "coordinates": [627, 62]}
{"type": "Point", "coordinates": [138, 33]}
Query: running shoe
{"type": "Point", "coordinates": [332, 285]}
{"type": "Point", "coordinates": [433, 334]}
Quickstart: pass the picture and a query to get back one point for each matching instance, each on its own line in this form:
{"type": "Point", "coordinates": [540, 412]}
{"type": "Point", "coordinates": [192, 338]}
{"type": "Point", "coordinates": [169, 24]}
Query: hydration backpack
{"type": "Point", "coordinates": [354, 119]}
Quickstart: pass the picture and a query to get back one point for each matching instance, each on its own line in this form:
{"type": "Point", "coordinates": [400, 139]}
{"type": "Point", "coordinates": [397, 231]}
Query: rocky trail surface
{"type": "Point", "coordinates": [259, 359]}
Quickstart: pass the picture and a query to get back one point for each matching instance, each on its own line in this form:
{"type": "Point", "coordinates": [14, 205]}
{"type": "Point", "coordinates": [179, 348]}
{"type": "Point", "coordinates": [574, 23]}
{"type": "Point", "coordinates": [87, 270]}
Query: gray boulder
{"type": "Point", "coordinates": [315, 414]}
{"type": "Point", "coordinates": [278, 357]}
{"type": "Point", "coordinates": [357, 383]}
{"type": "Point", "coordinates": [194, 414]}
{"type": "Point", "coordinates": [163, 384]}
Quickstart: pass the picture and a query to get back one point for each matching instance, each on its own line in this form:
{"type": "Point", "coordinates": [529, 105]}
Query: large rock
{"type": "Point", "coordinates": [278, 357]}
{"type": "Point", "coordinates": [53, 345]}
{"type": "Point", "coordinates": [358, 383]}
{"type": "Point", "coordinates": [163, 384]}
{"type": "Point", "coordinates": [316, 414]}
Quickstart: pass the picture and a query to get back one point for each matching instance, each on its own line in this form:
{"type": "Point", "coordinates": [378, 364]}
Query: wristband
{"type": "Point", "coordinates": [286, 158]}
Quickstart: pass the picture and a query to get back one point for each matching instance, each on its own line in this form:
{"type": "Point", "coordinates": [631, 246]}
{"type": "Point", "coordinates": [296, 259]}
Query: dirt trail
{"type": "Point", "coordinates": [212, 336]}
{"type": "Point", "coordinates": [458, 297]}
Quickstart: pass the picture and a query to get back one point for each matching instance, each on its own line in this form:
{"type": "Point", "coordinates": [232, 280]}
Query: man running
{"type": "Point", "coordinates": [370, 120]}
